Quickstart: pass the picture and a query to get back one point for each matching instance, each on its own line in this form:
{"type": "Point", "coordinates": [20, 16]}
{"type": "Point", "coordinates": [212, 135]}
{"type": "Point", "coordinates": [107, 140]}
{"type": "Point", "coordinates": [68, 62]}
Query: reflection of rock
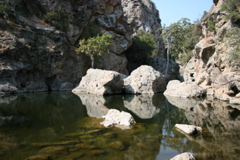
{"type": "Point", "coordinates": [100, 82]}
{"type": "Point", "coordinates": [177, 89]}
{"type": "Point", "coordinates": [144, 79]}
{"type": "Point", "coordinates": [13, 120]}
{"type": "Point", "coordinates": [115, 117]}
{"type": "Point", "coordinates": [221, 116]}
{"type": "Point", "coordinates": [184, 156]}
{"type": "Point", "coordinates": [7, 99]}
{"type": "Point", "coordinates": [189, 129]}
{"type": "Point", "coordinates": [141, 105]}
{"type": "Point", "coordinates": [95, 105]}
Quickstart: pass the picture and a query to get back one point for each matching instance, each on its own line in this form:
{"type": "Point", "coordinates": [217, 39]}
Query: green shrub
{"type": "Point", "coordinates": [57, 18]}
{"type": "Point", "coordinates": [234, 43]}
{"type": "Point", "coordinates": [143, 47]}
{"type": "Point", "coordinates": [232, 7]}
{"type": "Point", "coordinates": [211, 26]}
{"type": "Point", "coordinates": [95, 46]}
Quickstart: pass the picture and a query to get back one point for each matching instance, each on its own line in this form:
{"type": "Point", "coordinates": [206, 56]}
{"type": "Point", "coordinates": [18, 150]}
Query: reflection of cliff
{"type": "Point", "coordinates": [141, 105]}
{"type": "Point", "coordinates": [220, 122]}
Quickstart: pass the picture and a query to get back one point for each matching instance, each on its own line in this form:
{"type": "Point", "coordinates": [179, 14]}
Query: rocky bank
{"type": "Point", "coordinates": [38, 39]}
{"type": "Point", "coordinates": [211, 67]}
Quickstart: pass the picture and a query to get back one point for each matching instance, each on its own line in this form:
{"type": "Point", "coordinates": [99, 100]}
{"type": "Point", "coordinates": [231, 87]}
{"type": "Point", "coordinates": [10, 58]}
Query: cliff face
{"type": "Point", "coordinates": [38, 39]}
{"type": "Point", "coordinates": [211, 66]}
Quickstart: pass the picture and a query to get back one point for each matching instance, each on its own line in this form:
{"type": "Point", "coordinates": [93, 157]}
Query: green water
{"type": "Point", "coordinates": [65, 126]}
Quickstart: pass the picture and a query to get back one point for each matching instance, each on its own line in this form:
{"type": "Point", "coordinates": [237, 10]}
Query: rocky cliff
{"type": "Point", "coordinates": [212, 66]}
{"type": "Point", "coordinates": [38, 39]}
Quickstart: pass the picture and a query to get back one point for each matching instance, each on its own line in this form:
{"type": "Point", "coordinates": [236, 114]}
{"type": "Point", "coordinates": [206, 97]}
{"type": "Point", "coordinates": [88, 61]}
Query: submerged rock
{"type": "Point", "coordinates": [100, 82]}
{"type": "Point", "coordinates": [144, 79]}
{"type": "Point", "coordinates": [184, 156]}
{"type": "Point", "coordinates": [189, 129]}
{"type": "Point", "coordinates": [115, 117]}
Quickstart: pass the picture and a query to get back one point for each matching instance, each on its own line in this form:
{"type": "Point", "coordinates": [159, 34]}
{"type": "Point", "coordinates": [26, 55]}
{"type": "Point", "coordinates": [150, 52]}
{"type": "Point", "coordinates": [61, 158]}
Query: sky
{"type": "Point", "coordinates": [171, 11]}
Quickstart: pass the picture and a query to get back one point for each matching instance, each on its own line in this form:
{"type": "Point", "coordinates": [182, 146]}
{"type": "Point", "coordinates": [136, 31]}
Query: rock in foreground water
{"type": "Point", "coordinates": [184, 156]}
{"type": "Point", "coordinates": [189, 129]}
{"type": "Point", "coordinates": [115, 117]}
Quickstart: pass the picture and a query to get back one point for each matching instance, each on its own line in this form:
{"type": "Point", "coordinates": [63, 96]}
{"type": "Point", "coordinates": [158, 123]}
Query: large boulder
{"type": "Point", "coordinates": [176, 88]}
{"type": "Point", "coordinates": [100, 82]}
{"type": "Point", "coordinates": [144, 79]}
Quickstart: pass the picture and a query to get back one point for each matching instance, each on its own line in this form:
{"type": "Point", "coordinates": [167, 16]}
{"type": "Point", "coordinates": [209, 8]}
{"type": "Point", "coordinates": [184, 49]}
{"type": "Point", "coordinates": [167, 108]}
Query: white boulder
{"type": "Point", "coordinates": [184, 156]}
{"type": "Point", "coordinates": [175, 88]}
{"type": "Point", "coordinates": [189, 129]}
{"type": "Point", "coordinates": [144, 79]}
{"type": "Point", "coordinates": [115, 117]}
{"type": "Point", "coordinates": [100, 82]}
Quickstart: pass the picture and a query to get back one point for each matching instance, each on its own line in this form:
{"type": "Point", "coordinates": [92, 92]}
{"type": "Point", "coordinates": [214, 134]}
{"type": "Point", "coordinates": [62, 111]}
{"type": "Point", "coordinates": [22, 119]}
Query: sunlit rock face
{"type": "Point", "coordinates": [211, 66]}
{"type": "Point", "coordinates": [38, 40]}
{"type": "Point", "coordinates": [144, 80]}
{"type": "Point", "coordinates": [100, 82]}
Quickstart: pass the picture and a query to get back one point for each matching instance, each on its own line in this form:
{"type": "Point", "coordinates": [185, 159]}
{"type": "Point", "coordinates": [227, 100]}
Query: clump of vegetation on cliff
{"type": "Point", "coordinates": [232, 7]}
{"type": "Point", "coordinates": [95, 46]}
{"type": "Point", "coordinates": [234, 43]}
{"type": "Point", "coordinates": [180, 38]}
{"type": "Point", "coordinates": [143, 47]}
{"type": "Point", "coordinates": [57, 18]}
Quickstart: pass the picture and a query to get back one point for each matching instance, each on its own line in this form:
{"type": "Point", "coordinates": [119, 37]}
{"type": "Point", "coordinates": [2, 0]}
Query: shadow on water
{"type": "Point", "coordinates": [67, 126]}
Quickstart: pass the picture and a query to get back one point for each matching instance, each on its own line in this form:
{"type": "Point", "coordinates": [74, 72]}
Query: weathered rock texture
{"type": "Point", "coordinates": [175, 88]}
{"type": "Point", "coordinates": [144, 79]}
{"type": "Point", "coordinates": [38, 39]}
{"type": "Point", "coordinates": [100, 82]}
{"type": "Point", "coordinates": [115, 117]}
{"type": "Point", "coordinates": [211, 68]}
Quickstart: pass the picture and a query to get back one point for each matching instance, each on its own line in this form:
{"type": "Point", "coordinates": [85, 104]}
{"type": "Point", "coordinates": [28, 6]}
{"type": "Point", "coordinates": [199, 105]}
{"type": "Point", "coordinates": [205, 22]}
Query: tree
{"type": "Point", "coordinates": [95, 46]}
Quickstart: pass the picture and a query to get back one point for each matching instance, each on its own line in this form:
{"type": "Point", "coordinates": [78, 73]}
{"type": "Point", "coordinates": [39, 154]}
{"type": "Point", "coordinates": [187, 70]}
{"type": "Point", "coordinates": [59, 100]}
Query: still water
{"type": "Point", "coordinates": [65, 126]}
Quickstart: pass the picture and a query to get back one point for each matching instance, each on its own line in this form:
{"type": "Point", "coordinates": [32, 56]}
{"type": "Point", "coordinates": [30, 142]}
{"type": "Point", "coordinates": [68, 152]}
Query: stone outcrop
{"type": "Point", "coordinates": [144, 80]}
{"type": "Point", "coordinates": [211, 67]}
{"type": "Point", "coordinates": [175, 88]}
{"type": "Point", "coordinates": [38, 40]}
{"type": "Point", "coordinates": [100, 82]}
{"type": "Point", "coordinates": [160, 64]}
{"type": "Point", "coordinates": [115, 117]}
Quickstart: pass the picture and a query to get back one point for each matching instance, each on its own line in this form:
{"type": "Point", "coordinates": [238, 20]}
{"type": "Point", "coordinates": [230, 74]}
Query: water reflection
{"type": "Point", "coordinates": [141, 105]}
{"type": "Point", "coordinates": [221, 123]}
{"type": "Point", "coordinates": [33, 122]}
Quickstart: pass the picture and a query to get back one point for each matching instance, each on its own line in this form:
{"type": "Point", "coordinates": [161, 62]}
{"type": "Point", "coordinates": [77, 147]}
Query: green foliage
{"type": "Point", "coordinates": [143, 47]}
{"type": "Point", "coordinates": [181, 38]}
{"type": "Point", "coordinates": [211, 26]}
{"type": "Point", "coordinates": [234, 43]}
{"type": "Point", "coordinates": [232, 7]}
{"type": "Point", "coordinates": [95, 46]}
{"type": "Point", "coordinates": [57, 18]}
